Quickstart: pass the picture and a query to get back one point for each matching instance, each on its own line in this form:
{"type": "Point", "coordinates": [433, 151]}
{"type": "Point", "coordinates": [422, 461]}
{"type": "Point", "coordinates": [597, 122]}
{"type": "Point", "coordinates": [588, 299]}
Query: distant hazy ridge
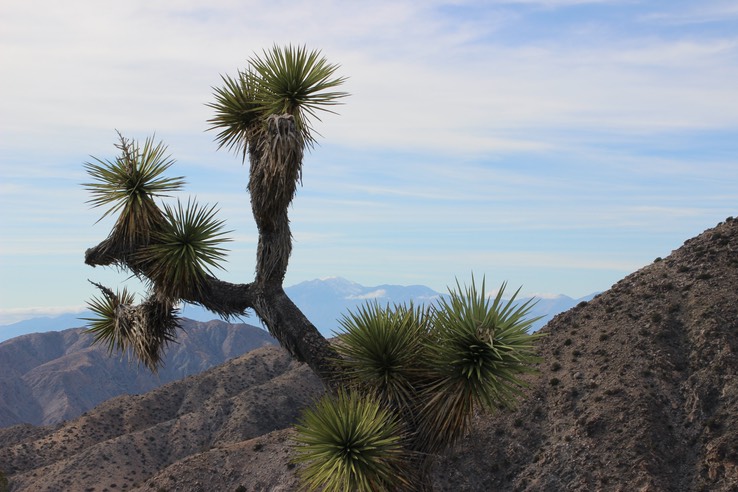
{"type": "Point", "coordinates": [46, 378]}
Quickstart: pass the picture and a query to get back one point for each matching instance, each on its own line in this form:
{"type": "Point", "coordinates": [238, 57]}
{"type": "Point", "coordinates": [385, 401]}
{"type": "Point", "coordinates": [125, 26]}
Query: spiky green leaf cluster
{"type": "Point", "coordinates": [105, 326]}
{"type": "Point", "coordinates": [285, 80]}
{"type": "Point", "coordinates": [143, 330]}
{"type": "Point", "coordinates": [184, 251]}
{"type": "Point", "coordinates": [383, 350]}
{"type": "Point", "coordinates": [129, 185]}
{"type": "Point", "coordinates": [433, 368]}
{"type": "Point", "coordinates": [479, 351]}
{"type": "Point", "coordinates": [237, 113]}
{"type": "Point", "coordinates": [174, 249]}
{"type": "Point", "coordinates": [351, 442]}
{"type": "Point", "coordinates": [296, 81]}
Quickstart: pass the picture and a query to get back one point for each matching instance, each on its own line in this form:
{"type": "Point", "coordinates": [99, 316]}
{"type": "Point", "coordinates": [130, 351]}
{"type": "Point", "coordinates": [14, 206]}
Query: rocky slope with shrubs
{"type": "Point", "coordinates": [637, 390]}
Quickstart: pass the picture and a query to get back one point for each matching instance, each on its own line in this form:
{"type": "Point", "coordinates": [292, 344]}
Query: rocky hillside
{"type": "Point", "coordinates": [128, 439]}
{"type": "Point", "coordinates": [46, 378]}
{"type": "Point", "coordinates": [638, 390]}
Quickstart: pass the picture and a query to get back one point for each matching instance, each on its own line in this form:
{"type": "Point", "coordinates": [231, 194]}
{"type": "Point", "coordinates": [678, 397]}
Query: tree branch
{"type": "Point", "coordinates": [275, 152]}
{"type": "Point", "coordinates": [282, 317]}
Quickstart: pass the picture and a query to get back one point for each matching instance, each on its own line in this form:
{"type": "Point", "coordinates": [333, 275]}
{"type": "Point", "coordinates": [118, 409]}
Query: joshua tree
{"type": "Point", "coordinates": [264, 113]}
{"type": "Point", "coordinates": [403, 381]}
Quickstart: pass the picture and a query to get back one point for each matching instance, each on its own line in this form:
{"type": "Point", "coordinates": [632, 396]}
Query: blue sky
{"type": "Point", "coordinates": [556, 144]}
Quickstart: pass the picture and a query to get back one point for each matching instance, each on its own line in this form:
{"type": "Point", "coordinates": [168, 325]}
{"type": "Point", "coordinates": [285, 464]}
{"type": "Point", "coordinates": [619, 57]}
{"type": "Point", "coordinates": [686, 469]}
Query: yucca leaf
{"type": "Point", "coordinates": [477, 356]}
{"type": "Point", "coordinates": [141, 330]}
{"type": "Point", "coordinates": [351, 442]}
{"type": "Point", "coordinates": [129, 185]}
{"type": "Point", "coordinates": [284, 80]}
{"type": "Point", "coordinates": [185, 250]}
{"type": "Point", "coordinates": [105, 326]}
{"type": "Point", "coordinates": [297, 82]}
{"type": "Point", "coordinates": [382, 349]}
{"type": "Point", "coordinates": [237, 112]}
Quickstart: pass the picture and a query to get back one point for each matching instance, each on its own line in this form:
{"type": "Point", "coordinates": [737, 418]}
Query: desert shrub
{"type": "Point", "coordinates": [413, 379]}
{"type": "Point", "coordinates": [351, 442]}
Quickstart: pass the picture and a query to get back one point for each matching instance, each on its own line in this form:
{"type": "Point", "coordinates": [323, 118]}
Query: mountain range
{"type": "Point", "coordinates": [52, 376]}
{"type": "Point", "coordinates": [324, 302]}
{"type": "Point", "coordinates": [637, 389]}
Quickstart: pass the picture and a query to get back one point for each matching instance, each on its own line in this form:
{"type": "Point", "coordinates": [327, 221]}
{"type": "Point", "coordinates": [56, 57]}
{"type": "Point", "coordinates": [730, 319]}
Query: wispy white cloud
{"type": "Point", "coordinates": [375, 294]}
{"type": "Point", "coordinates": [13, 315]}
{"type": "Point", "coordinates": [484, 98]}
{"type": "Point", "coordinates": [716, 11]}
